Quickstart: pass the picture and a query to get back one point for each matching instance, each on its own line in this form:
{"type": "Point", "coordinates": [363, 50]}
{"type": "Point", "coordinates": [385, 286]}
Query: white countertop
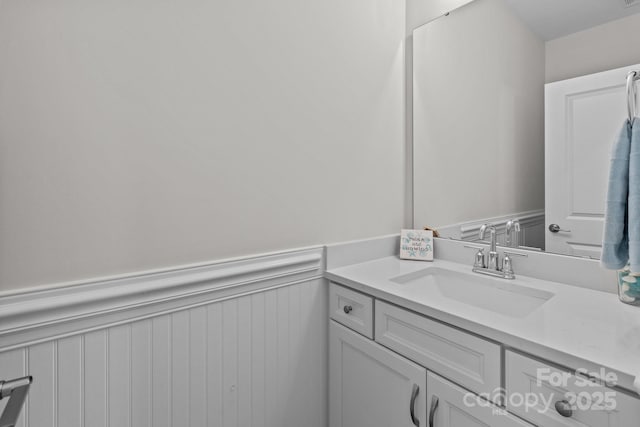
{"type": "Point", "coordinates": [576, 328]}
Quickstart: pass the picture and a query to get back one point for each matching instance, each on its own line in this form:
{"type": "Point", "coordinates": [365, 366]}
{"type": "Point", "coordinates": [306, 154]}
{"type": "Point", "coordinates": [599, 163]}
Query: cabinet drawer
{"type": "Point", "coordinates": [466, 359]}
{"type": "Point", "coordinates": [352, 309]}
{"type": "Point", "coordinates": [589, 404]}
{"type": "Point", "coordinates": [453, 406]}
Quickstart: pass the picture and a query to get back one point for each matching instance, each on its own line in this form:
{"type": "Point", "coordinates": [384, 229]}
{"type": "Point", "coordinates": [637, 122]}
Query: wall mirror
{"type": "Point", "coordinates": [516, 104]}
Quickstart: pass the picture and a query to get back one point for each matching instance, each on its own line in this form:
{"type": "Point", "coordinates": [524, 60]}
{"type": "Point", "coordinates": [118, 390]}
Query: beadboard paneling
{"type": "Point", "coordinates": [41, 400]}
{"type": "Point", "coordinates": [141, 374]}
{"type": "Point", "coordinates": [96, 353]}
{"type": "Point", "coordinates": [258, 359]}
{"type": "Point", "coordinates": [68, 386]}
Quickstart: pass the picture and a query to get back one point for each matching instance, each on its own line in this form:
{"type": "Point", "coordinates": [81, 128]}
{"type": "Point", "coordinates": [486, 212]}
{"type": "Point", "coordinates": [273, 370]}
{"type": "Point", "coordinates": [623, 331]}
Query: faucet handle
{"type": "Point", "coordinates": [479, 259]}
{"type": "Point", "coordinates": [507, 266]}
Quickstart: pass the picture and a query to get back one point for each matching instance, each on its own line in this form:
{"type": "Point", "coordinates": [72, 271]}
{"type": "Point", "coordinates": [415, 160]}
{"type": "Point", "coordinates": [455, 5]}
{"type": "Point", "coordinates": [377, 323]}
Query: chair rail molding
{"type": "Point", "coordinates": [47, 314]}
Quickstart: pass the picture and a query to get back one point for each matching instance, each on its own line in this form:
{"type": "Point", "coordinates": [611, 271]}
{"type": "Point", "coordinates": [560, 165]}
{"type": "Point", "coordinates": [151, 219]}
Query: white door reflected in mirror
{"type": "Point", "coordinates": [583, 116]}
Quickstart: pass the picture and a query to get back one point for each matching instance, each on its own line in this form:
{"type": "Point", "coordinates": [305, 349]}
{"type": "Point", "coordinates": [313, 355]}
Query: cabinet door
{"type": "Point", "coordinates": [371, 386]}
{"type": "Point", "coordinates": [453, 406]}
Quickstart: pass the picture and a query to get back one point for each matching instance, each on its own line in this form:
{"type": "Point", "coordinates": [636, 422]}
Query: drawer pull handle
{"type": "Point", "coordinates": [564, 408]}
{"type": "Point", "coordinates": [412, 405]}
{"type": "Point", "coordinates": [432, 411]}
{"type": "Point", "coordinates": [348, 309]}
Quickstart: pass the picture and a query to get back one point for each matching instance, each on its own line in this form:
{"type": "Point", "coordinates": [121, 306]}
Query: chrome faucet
{"type": "Point", "coordinates": [492, 267]}
{"type": "Point", "coordinates": [492, 262]}
{"type": "Point", "coordinates": [513, 233]}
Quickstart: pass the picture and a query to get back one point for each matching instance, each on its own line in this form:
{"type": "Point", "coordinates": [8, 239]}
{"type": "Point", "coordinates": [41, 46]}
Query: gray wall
{"type": "Point", "coordinates": [140, 134]}
{"type": "Point", "coordinates": [478, 116]}
{"type": "Point", "coordinates": [605, 47]}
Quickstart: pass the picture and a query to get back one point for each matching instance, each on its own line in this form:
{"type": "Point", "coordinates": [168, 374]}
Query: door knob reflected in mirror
{"type": "Point", "coordinates": [555, 228]}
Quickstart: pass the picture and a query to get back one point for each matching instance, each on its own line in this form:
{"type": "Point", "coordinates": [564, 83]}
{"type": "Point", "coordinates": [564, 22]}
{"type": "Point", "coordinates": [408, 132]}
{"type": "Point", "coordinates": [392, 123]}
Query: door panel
{"type": "Point", "coordinates": [583, 117]}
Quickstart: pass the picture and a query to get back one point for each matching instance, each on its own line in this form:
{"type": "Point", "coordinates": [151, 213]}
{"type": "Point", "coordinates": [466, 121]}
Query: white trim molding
{"type": "Point", "coordinates": [43, 315]}
{"type": "Point", "coordinates": [469, 230]}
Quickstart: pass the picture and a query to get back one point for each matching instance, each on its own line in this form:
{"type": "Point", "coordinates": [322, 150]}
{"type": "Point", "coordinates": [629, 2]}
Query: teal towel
{"type": "Point", "coordinates": [633, 214]}
{"type": "Point", "coordinates": [621, 241]}
{"type": "Point", "coordinates": [615, 243]}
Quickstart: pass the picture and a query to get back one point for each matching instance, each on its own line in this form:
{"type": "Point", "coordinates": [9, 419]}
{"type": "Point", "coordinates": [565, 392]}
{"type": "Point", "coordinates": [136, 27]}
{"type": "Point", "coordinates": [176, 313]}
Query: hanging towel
{"type": "Point", "coordinates": [633, 214]}
{"type": "Point", "coordinates": [615, 244]}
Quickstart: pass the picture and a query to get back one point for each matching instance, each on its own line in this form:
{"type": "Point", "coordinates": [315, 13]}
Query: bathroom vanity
{"type": "Point", "coordinates": [433, 344]}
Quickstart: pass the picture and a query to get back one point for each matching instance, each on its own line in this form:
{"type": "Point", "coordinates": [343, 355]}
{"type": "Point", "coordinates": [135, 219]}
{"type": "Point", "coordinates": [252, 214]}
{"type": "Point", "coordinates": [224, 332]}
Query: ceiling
{"type": "Point", "coordinates": [551, 19]}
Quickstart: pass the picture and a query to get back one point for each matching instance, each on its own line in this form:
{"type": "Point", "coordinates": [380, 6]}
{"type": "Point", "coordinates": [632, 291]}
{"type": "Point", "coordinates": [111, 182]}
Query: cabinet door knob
{"type": "Point", "coordinates": [564, 408]}
{"type": "Point", "coordinates": [347, 309]}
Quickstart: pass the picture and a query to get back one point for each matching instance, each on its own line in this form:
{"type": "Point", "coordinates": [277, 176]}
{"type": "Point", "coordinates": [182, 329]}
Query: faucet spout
{"type": "Point", "coordinates": [493, 263]}
{"type": "Point", "coordinates": [513, 233]}
{"type": "Point", "coordinates": [492, 235]}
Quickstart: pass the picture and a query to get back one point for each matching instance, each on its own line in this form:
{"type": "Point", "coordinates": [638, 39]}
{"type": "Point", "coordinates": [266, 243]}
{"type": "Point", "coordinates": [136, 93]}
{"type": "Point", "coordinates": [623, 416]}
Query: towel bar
{"type": "Point", "coordinates": [632, 76]}
{"type": "Point", "coordinates": [16, 390]}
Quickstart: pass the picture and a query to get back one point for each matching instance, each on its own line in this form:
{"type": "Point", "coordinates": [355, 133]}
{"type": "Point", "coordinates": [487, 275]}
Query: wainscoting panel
{"type": "Point", "coordinates": [95, 378]}
{"type": "Point", "coordinates": [258, 359]}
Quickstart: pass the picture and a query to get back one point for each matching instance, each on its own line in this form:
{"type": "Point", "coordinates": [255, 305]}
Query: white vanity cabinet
{"type": "Point", "coordinates": [392, 367]}
{"type": "Point", "coordinates": [371, 386]}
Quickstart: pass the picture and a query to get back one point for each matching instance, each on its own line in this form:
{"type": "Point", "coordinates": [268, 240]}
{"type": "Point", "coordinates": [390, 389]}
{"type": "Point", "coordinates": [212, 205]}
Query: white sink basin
{"type": "Point", "coordinates": [493, 294]}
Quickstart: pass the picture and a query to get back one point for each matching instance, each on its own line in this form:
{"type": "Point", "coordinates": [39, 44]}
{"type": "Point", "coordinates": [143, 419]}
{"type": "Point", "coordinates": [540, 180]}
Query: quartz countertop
{"type": "Point", "coordinates": [577, 328]}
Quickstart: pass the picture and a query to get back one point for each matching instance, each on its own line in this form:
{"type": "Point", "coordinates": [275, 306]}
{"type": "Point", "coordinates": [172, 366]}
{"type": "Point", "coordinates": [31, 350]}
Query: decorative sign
{"type": "Point", "coordinates": [416, 245]}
